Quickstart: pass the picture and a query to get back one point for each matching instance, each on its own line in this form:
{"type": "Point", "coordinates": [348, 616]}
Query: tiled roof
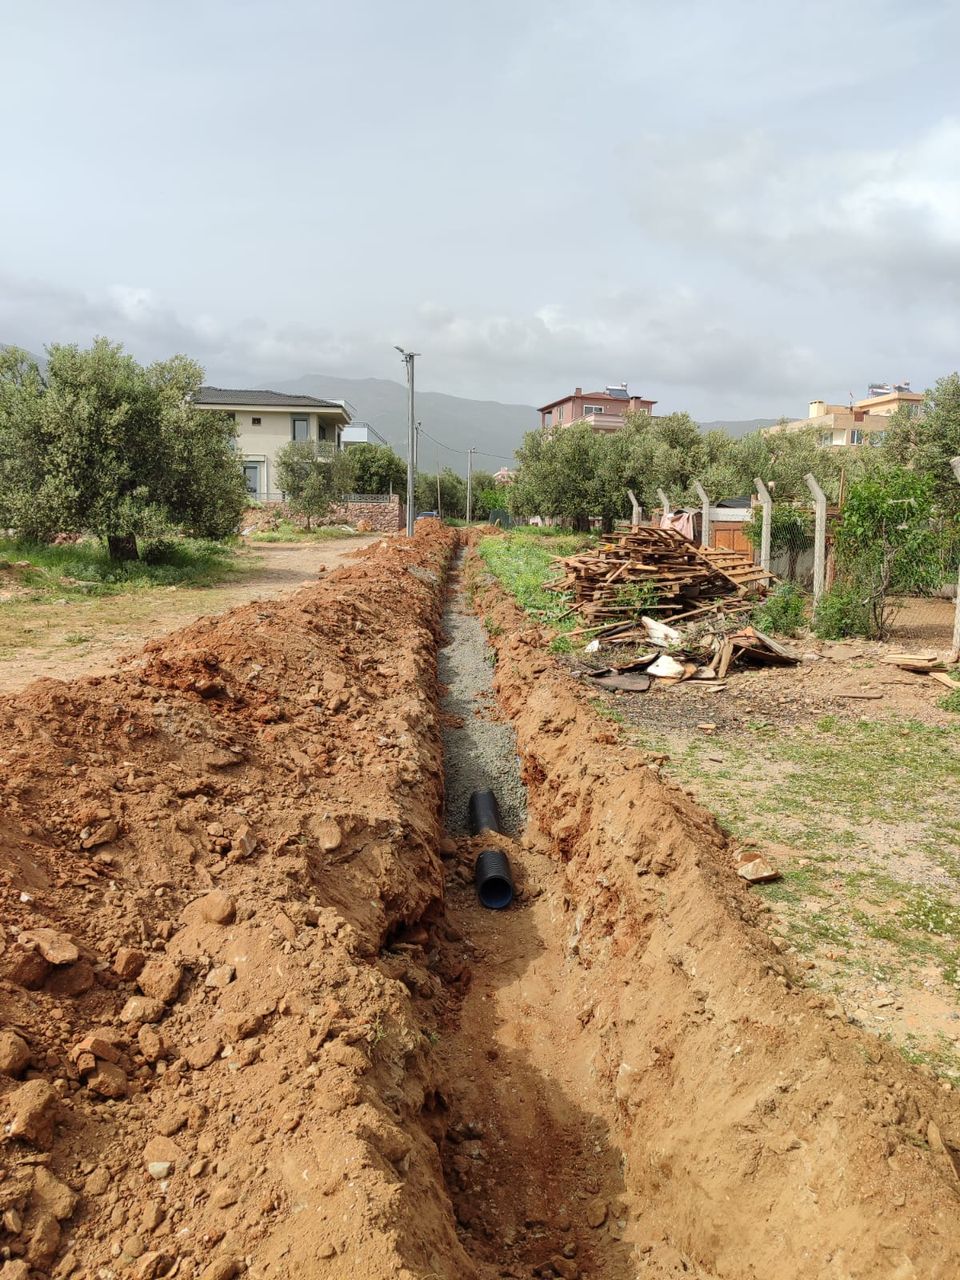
{"type": "Point", "coordinates": [220, 395]}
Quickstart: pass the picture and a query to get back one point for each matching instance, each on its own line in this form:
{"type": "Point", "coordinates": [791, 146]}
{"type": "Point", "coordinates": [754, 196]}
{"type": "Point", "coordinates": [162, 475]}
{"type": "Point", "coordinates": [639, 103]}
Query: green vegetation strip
{"type": "Point", "coordinates": [524, 562]}
{"type": "Point", "coordinates": [84, 569]}
{"type": "Point", "coordinates": [857, 801]}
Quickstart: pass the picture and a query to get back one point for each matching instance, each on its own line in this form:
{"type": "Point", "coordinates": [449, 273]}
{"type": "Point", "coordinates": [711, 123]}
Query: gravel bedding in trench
{"type": "Point", "coordinates": [479, 749]}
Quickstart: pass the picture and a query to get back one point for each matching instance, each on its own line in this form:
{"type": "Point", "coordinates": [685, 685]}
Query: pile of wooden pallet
{"type": "Point", "coordinates": [682, 579]}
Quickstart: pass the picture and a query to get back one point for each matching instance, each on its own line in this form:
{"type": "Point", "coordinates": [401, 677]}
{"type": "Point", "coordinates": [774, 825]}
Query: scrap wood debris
{"type": "Point", "coordinates": [703, 587]}
{"type": "Point", "coordinates": [681, 579]}
{"type": "Point", "coordinates": [707, 658]}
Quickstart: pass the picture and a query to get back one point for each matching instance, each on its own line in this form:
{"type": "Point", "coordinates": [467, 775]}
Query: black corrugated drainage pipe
{"type": "Point", "coordinates": [484, 812]}
{"type": "Point", "coordinates": [492, 874]}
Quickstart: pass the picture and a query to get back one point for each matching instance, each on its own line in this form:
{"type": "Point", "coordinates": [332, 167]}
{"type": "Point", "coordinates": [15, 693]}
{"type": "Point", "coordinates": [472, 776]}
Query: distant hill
{"type": "Point", "coordinates": [487, 425]}
{"type": "Point", "coordinates": [738, 429]}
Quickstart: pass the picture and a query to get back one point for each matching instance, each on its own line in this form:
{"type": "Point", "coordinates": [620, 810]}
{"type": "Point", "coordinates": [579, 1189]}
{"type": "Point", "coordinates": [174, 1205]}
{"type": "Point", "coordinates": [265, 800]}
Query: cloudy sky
{"type": "Point", "coordinates": [734, 205]}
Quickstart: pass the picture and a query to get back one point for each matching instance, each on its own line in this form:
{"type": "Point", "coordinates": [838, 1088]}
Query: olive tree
{"type": "Point", "coordinates": [98, 443]}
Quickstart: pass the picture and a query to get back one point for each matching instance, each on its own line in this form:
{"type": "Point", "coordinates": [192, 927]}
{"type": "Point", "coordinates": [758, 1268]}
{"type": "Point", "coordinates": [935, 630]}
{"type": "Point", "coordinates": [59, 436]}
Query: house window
{"type": "Point", "coordinates": [826, 438]}
{"type": "Point", "coordinates": [593, 408]}
{"type": "Point", "coordinates": [301, 427]}
{"type": "Point", "coordinates": [559, 413]}
{"type": "Point", "coordinates": [321, 433]}
{"type": "Point", "coordinates": [256, 421]}
{"type": "Point", "coordinates": [856, 436]}
{"type": "Point", "coordinates": [251, 475]}
{"type": "Point", "coordinates": [876, 437]}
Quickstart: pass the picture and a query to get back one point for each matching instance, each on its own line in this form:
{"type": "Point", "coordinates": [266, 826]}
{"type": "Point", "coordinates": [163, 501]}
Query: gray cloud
{"type": "Point", "coordinates": [884, 221]}
{"type": "Point", "coordinates": [528, 194]}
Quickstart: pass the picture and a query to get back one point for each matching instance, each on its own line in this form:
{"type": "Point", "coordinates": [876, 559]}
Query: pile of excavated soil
{"type": "Point", "coordinates": [757, 1132]}
{"type": "Point", "coordinates": [210, 1061]}
{"type": "Point", "coordinates": [245, 1031]}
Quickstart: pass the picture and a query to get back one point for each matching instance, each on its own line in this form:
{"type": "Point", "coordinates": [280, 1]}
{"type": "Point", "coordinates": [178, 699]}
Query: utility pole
{"type": "Point", "coordinates": [955, 652]}
{"type": "Point", "coordinates": [439, 510]}
{"type": "Point", "coordinates": [766, 505]}
{"type": "Point", "coordinates": [470, 453]}
{"type": "Point", "coordinates": [408, 358]}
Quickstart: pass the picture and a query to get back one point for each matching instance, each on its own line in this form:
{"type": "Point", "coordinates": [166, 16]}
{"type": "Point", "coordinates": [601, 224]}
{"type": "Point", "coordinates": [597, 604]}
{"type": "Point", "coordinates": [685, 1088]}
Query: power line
{"type": "Point", "coordinates": [464, 452]}
{"type": "Point", "coordinates": [448, 447]}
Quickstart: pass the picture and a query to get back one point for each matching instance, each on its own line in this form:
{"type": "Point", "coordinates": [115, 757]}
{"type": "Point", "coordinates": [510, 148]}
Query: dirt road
{"type": "Point", "coordinates": [86, 637]}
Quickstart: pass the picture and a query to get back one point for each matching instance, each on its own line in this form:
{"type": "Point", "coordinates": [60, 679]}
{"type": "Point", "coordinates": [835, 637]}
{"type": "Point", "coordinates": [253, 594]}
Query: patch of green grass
{"type": "Point", "coordinates": [608, 710]}
{"type": "Point", "coordinates": [942, 1057]}
{"type": "Point", "coordinates": [77, 637]}
{"type": "Point", "coordinates": [84, 569]}
{"type": "Point", "coordinates": [287, 531]}
{"type": "Point", "coordinates": [523, 562]}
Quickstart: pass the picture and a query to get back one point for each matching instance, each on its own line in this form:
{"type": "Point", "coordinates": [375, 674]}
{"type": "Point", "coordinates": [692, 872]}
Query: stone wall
{"type": "Point", "coordinates": [382, 517]}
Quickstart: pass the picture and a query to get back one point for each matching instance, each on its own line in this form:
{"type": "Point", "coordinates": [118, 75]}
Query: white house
{"type": "Point", "coordinates": [267, 420]}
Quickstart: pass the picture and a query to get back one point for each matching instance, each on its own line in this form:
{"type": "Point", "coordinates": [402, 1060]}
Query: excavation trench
{"type": "Point", "coordinates": [277, 1037]}
{"type": "Point", "coordinates": [533, 1173]}
{"type": "Point", "coordinates": [633, 1081]}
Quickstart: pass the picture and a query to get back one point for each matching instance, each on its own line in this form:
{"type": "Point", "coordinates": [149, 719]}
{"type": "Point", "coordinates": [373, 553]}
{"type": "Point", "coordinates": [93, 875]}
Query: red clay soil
{"type": "Point", "coordinates": [207, 1067]}
{"type": "Point", "coordinates": [757, 1132]}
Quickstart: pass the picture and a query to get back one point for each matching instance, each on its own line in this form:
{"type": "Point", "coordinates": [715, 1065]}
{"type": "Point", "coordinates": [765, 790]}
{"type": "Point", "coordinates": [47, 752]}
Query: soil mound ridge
{"type": "Point", "coordinates": [761, 1133]}
{"type": "Point", "coordinates": [208, 1064]}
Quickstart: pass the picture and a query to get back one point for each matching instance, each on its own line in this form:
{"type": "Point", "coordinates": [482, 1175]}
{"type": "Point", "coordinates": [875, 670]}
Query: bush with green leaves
{"type": "Point", "coordinates": [637, 598]}
{"type": "Point", "coordinates": [783, 612]}
{"type": "Point", "coordinates": [886, 544]}
{"type": "Point", "coordinates": [99, 443]}
{"type": "Point", "coordinates": [375, 468]}
{"type": "Point", "coordinates": [841, 612]}
{"type": "Point", "coordinates": [308, 479]}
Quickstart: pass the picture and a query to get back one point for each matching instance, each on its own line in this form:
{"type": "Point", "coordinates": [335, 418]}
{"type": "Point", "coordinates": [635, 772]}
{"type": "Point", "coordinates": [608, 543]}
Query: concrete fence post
{"type": "Point", "coordinates": [635, 508]}
{"type": "Point", "coordinates": [955, 647]}
{"type": "Point", "coordinates": [704, 513]}
{"type": "Point", "coordinates": [766, 504]}
{"type": "Point", "coordinates": [819, 537]}
{"type": "Point", "coordinates": [664, 502]}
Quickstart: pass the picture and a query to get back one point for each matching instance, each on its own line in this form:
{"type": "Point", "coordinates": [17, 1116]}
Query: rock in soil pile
{"type": "Point", "coordinates": [206, 1066]}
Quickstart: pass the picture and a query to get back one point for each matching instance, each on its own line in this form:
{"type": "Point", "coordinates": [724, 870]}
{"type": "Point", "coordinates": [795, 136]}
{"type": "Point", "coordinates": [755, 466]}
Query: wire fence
{"type": "Point", "coordinates": [788, 539]}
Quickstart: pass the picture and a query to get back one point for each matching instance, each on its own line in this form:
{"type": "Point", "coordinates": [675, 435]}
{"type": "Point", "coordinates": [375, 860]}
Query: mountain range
{"type": "Point", "coordinates": [494, 429]}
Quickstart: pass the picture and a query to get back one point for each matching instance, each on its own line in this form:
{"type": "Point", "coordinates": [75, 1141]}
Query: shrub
{"type": "Point", "coordinates": [783, 612]}
{"type": "Point", "coordinates": [843, 611]}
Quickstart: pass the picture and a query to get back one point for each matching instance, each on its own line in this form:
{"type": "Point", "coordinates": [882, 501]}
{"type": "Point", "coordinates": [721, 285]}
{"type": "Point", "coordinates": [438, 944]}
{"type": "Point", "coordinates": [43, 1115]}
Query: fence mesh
{"type": "Point", "coordinates": [922, 623]}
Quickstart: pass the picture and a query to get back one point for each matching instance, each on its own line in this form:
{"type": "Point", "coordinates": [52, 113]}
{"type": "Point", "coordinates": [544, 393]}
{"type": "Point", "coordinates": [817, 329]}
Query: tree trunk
{"type": "Point", "coordinates": [607, 524]}
{"type": "Point", "coordinates": [581, 524]}
{"type": "Point", "coordinates": [123, 546]}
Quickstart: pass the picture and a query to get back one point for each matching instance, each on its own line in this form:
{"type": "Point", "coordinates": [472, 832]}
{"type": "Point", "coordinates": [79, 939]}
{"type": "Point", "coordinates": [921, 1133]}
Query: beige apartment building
{"type": "Point", "coordinates": [859, 422]}
{"type": "Point", "coordinates": [267, 420]}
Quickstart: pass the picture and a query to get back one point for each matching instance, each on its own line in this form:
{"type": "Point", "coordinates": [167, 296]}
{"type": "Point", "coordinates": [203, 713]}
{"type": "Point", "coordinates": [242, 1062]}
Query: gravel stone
{"type": "Point", "coordinates": [480, 754]}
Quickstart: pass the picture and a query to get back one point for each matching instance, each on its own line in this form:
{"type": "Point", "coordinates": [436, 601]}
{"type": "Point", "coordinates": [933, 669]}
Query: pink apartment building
{"type": "Point", "coordinates": [604, 410]}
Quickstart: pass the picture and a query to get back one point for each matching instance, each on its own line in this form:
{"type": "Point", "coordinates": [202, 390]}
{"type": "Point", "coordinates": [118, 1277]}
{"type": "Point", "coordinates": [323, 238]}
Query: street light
{"type": "Point", "coordinates": [408, 359]}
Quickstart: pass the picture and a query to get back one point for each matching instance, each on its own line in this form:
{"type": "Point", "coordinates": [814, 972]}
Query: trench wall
{"type": "Point", "coordinates": [763, 1134]}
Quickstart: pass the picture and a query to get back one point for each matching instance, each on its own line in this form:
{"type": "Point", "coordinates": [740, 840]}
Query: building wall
{"type": "Point", "coordinates": [574, 408]}
{"type": "Point", "coordinates": [259, 442]}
